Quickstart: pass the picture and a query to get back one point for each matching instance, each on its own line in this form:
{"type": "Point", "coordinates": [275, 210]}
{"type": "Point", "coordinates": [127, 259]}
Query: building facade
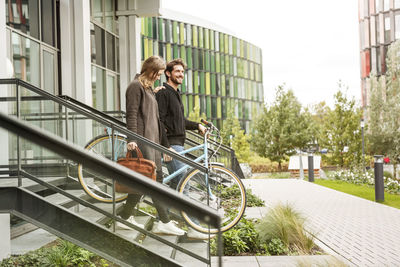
{"type": "Point", "coordinates": [90, 50]}
{"type": "Point", "coordinates": [379, 26]}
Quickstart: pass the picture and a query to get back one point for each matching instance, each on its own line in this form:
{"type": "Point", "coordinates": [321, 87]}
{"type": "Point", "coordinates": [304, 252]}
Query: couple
{"type": "Point", "coordinates": [157, 114]}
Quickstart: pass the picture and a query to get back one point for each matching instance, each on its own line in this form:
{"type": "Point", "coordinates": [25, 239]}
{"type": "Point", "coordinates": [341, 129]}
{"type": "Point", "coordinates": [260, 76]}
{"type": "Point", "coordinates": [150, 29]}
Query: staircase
{"type": "Point", "coordinates": [42, 189]}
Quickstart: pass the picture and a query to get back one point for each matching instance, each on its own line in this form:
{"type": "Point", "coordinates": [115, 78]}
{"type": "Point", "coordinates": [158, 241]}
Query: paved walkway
{"type": "Point", "coordinates": [363, 232]}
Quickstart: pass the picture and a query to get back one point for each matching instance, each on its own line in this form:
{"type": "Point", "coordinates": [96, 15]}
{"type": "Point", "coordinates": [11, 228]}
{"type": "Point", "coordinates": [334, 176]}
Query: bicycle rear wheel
{"type": "Point", "coordinates": [226, 194]}
{"type": "Point", "coordinates": [94, 184]}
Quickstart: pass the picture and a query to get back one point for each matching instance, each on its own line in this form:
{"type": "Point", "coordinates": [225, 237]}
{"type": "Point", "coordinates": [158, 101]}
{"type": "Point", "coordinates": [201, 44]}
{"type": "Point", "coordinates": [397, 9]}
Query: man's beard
{"type": "Point", "coordinates": [176, 81]}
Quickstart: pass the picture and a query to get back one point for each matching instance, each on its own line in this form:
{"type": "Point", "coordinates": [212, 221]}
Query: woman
{"type": "Point", "coordinates": [142, 117]}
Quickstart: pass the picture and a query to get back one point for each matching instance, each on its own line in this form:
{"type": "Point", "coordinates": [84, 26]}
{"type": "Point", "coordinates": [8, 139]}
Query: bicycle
{"type": "Point", "coordinates": [220, 188]}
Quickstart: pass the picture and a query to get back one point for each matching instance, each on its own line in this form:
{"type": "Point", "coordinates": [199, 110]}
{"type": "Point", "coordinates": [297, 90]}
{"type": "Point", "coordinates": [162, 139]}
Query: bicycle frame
{"type": "Point", "coordinates": [204, 156]}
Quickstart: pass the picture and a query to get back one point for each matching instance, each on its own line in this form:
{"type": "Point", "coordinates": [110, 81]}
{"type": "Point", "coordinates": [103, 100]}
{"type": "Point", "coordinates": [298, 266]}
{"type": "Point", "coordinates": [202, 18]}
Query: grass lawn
{"type": "Point", "coordinates": [363, 191]}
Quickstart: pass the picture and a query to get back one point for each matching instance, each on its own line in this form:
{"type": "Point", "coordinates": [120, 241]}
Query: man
{"type": "Point", "coordinates": [172, 115]}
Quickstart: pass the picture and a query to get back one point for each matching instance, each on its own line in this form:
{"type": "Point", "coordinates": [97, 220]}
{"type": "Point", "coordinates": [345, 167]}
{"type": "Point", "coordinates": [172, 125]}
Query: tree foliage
{"type": "Point", "coordinates": [341, 128]}
{"type": "Point", "coordinates": [240, 140]}
{"type": "Point", "coordinates": [282, 127]}
{"type": "Point", "coordinates": [384, 109]}
{"type": "Point", "coordinates": [195, 115]}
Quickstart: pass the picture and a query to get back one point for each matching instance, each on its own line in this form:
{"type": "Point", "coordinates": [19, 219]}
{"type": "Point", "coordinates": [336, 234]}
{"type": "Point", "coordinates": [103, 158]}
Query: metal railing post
{"type": "Point", "coordinates": [18, 95]}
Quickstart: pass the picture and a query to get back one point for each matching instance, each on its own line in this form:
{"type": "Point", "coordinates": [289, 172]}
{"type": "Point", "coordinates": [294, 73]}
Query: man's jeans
{"type": "Point", "coordinates": [175, 165]}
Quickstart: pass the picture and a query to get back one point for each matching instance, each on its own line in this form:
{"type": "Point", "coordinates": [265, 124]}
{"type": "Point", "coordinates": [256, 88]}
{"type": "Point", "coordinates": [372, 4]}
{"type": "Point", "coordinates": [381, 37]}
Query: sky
{"type": "Point", "coordinates": [308, 45]}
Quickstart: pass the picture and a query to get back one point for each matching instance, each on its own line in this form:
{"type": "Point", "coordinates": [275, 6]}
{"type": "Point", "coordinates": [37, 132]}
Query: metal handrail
{"type": "Point", "coordinates": [112, 169]}
{"type": "Point", "coordinates": [104, 119]}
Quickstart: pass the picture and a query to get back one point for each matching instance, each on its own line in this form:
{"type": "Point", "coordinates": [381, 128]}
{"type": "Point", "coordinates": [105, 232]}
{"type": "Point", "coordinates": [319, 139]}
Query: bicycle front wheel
{"type": "Point", "coordinates": [94, 184]}
{"type": "Point", "coordinates": [225, 193]}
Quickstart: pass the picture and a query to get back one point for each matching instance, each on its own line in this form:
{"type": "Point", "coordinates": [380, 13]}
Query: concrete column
{"type": "Point", "coordinates": [129, 46]}
{"type": "Point", "coordinates": [67, 48]}
{"type": "Point", "coordinates": [82, 66]}
{"type": "Point", "coordinates": [5, 244]}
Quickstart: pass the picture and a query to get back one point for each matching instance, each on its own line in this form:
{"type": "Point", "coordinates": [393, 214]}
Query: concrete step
{"type": "Point", "coordinates": [158, 247]}
{"type": "Point", "coordinates": [199, 247]}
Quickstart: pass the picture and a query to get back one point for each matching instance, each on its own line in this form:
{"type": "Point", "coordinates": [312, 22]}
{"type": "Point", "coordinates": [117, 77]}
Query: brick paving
{"type": "Point", "coordinates": [365, 233]}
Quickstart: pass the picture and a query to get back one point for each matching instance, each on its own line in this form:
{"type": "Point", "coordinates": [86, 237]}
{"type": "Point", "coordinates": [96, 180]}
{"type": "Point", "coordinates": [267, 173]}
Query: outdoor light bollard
{"type": "Point", "coordinates": [379, 186]}
{"type": "Point", "coordinates": [310, 168]}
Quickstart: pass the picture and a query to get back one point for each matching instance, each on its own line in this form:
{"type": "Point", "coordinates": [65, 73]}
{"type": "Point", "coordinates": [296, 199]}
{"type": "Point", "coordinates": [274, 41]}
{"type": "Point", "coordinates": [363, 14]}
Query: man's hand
{"type": "Point", "coordinates": [168, 158]}
{"type": "Point", "coordinates": [132, 146]}
{"type": "Point", "coordinates": [158, 89]}
{"type": "Point", "coordinates": [202, 129]}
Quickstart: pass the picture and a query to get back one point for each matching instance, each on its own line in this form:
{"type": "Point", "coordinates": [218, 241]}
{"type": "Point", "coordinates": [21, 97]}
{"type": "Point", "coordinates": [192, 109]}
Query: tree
{"type": "Point", "coordinates": [341, 129]}
{"type": "Point", "coordinates": [282, 127]}
{"type": "Point", "coordinates": [240, 140]}
{"type": "Point", "coordinates": [384, 109]}
{"type": "Point", "coordinates": [319, 113]}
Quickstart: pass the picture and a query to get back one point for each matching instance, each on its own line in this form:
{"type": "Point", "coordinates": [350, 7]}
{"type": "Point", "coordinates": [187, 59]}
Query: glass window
{"type": "Point", "coordinates": [208, 85]}
{"type": "Point", "coordinates": [110, 51]}
{"type": "Point", "coordinates": [49, 83]}
{"type": "Point", "coordinates": [26, 59]}
{"type": "Point", "coordinates": [189, 58]}
{"type": "Point", "coordinates": [176, 51]}
{"type": "Point", "coordinates": [397, 26]}
{"type": "Point", "coordinates": [206, 39]}
{"type": "Point", "coordinates": [97, 10]}
{"type": "Point", "coordinates": [221, 42]}
{"type": "Point", "coordinates": [98, 88]}
{"type": "Point", "coordinates": [207, 60]}
{"type": "Point", "coordinates": [373, 31]}
{"type": "Point", "coordinates": [217, 62]}
{"type": "Point", "coordinates": [195, 58]}
{"type": "Point", "coordinates": [216, 41]}
{"type": "Point", "coordinates": [23, 16]}
{"type": "Point", "coordinates": [209, 108]}
{"type": "Point", "coordinates": [188, 34]}
{"type": "Point", "coordinates": [168, 30]}
{"type": "Point", "coordinates": [48, 22]}
{"type": "Point", "coordinates": [97, 44]}
{"type": "Point", "coordinates": [196, 82]}
{"type": "Point", "coordinates": [230, 45]}
{"type": "Point", "coordinates": [387, 28]}
{"type": "Point", "coordinates": [189, 77]}
{"type": "Point", "coordinates": [183, 53]}
{"type": "Point", "coordinates": [175, 31]}
{"type": "Point", "coordinates": [201, 37]}
{"type": "Point", "coordinates": [182, 33]}
{"type": "Point", "coordinates": [212, 35]}
{"type": "Point", "coordinates": [213, 84]}
{"type": "Point", "coordinates": [396, 4]}
{"type": "Point", "coordinates": [212, 61]}
{"type": "Point", "coordinates": [161, 29]}
{"type": "Point", "coordinates": [194, 35]}
{"type": "Point", "coordinates": [109, 15]}
{"type": "Point", "coordinates": [386, 5]}
{"type": "Point", "coordinates": [202, 82]}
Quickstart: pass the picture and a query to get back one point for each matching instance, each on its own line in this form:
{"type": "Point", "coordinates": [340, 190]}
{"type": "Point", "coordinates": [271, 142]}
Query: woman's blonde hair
{"type": "Point", "coordinates": [150, 68]}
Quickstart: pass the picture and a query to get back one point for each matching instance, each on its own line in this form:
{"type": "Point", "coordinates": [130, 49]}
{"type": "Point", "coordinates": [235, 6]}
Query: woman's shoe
{"type": "Point", "coordinates": [168, 228]}
{"type": "Point", "coordinates": [131, 220]}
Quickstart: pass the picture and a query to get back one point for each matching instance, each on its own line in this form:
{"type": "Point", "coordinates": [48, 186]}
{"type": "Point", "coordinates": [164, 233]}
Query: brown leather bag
{"type": "Point", "coordinates": [140, 165]}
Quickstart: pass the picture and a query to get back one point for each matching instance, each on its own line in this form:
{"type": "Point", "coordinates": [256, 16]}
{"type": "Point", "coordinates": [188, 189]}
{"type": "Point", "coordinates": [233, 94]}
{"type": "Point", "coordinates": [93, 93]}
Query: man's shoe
{"type": "Point", "coordinates": [193, 234]}
{"type": "Point", "coordinates": [131, 220]}
{"type": "Point", "coordinates": [168, 228]}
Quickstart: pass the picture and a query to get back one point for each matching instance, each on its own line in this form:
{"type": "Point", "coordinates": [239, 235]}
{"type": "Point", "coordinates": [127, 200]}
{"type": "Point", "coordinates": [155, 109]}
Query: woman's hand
{"type": "Point", "coordinates": [168, 158]}
{"type": "Point", "coordinates": [158, 89]}
{"type": "Point", "coordinates": [132, 146]}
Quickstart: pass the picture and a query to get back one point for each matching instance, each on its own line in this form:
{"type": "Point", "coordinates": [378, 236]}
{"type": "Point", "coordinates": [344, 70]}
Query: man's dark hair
{"type": "Point", "coordinates": [172, 64]}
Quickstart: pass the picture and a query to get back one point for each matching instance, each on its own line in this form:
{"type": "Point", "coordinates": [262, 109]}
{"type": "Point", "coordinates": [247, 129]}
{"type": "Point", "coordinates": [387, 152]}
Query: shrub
{"type": "Point", "coordinates": [276, 247]}
{"type": "Point", "coordinates": [360, 177]}
{"type": "Point", "coordinates": [260, 165]}
{"type": "Point", "coordinates": [63, 253]}
{"type": "Point", "coordinates": [243, 238]}
{"type": "Point", "coordinates": [284, 223]}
